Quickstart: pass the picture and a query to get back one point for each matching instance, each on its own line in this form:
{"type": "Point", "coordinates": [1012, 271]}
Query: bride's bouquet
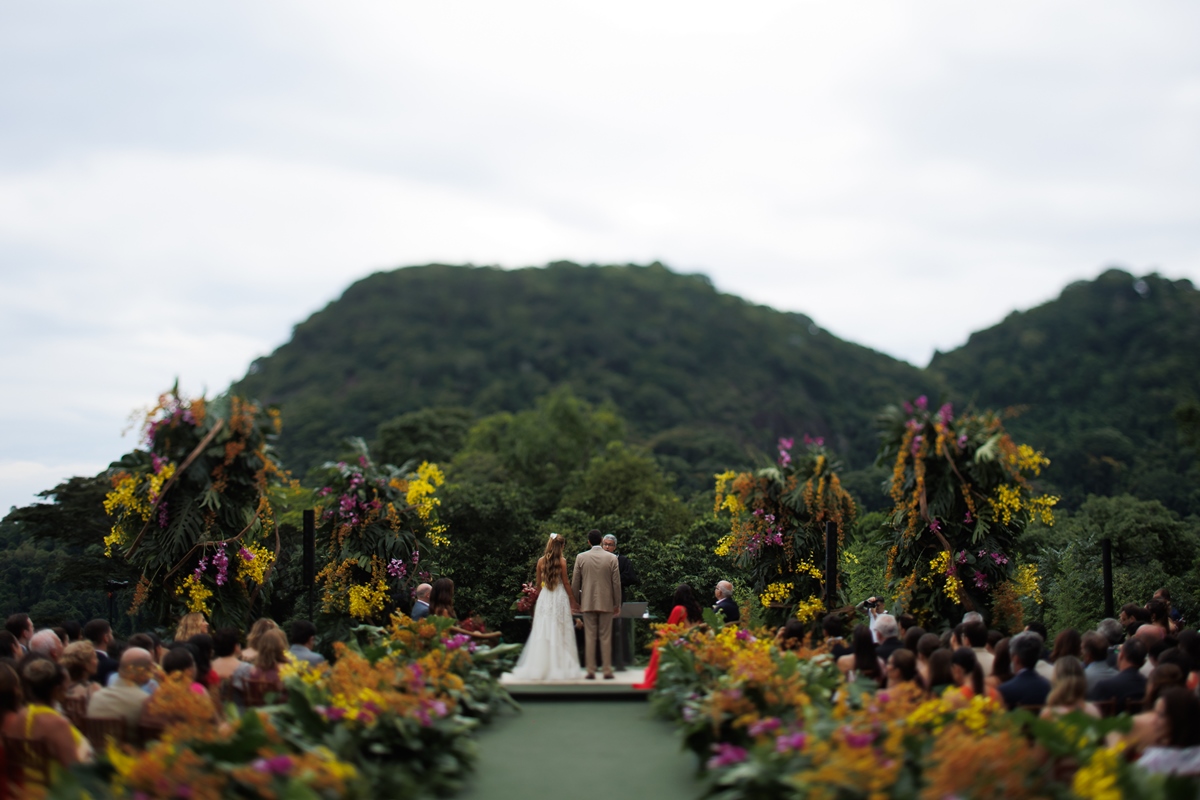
{"type": "Point", "coordinates": [528, 598]}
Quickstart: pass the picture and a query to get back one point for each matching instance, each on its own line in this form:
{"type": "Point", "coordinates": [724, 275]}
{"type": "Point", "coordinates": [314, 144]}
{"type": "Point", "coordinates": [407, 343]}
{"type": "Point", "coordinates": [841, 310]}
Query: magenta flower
{"type": "Point", "coordinates": [981, 581]}
{"type": "Point", "coordinates": [278, 765]}
{"type": "Point", "coordinates": [934, 525]}
{"type": "Point", "coordinates": [221, 562]}
{"type": "Point", "coordinates": [245, 555]}
{"type": "Point", "coordinates": [744, 635]}
{"type": "Point", "coordinates": [859, 739]}
{"type": "Point", "coordinates": [764, 726]}
{"type": "Point", "coordinates": [946, 413]}
{"type": "Point", "coordinates": [916, 444]}
{"type": "Point", "coordinates": [726, 755]}
{"type": "Point", "coordinates": [396, 568]}
{"type": "Point", "coordinates": [922, 402]}
{"type": "Point", "coordinates": [790, 741]}
{"type": "Point", "coordinates": [962, 441]}
{"type": "Point", "coordinates": [786, 444]}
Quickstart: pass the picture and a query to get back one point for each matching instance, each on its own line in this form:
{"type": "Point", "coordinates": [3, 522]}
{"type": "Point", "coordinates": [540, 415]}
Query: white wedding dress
{"type": "Point", "coordinates": [550, 654]}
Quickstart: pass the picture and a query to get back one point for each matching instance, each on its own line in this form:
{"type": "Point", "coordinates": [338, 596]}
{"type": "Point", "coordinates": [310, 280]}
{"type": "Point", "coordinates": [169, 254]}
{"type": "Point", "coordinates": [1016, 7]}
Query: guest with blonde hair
{"type": "Point", "coordinates": [81, 662]}
{"type": "Point", "coordinates": [1068, 690]}
{"type": "Point", "coordinates": [191, 625]}
{"type": "Point", "coordinates": [260, 627]}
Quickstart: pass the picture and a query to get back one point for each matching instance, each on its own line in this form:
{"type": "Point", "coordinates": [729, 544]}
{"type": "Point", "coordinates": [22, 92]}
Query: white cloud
{"type": "Point", "coordinates": [179, 185]}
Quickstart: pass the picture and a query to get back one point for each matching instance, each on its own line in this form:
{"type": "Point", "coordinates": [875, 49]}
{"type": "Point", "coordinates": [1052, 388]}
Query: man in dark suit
{"type": "Point", "coordinates": [1129, 683]}
{"type": "Point", "coordinates": [99, 633]}
{"type": "Point", "coordinates": [629, 577]}
{"type": "Point", "coordinates": [887, 632]}
{"type": "Point", "coordinates": [725, 605]}
{"type": "Point", "coordinates": [1026, 688]}
{"type": "Point", "coordinates": [421, 604]}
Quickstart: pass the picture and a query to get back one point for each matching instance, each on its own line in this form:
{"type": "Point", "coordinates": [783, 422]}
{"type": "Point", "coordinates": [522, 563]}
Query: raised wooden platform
{"type": "Point", "coordinates": [620, 686]}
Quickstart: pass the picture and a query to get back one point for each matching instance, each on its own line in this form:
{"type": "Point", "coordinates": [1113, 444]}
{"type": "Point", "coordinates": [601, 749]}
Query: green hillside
{"type": "Point", "coordinates": [700, 376]}
{"type": "Point", "coordinates": [1104, 374]}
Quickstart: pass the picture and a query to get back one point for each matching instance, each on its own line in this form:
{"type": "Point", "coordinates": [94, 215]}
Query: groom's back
{"type": "Point", "coordinates": [592, 580]}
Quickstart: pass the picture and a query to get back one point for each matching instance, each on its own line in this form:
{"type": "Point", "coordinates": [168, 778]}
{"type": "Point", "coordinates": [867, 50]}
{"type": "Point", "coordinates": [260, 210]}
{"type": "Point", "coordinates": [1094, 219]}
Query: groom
{"type": "Point", "coordinates": [596, 582]}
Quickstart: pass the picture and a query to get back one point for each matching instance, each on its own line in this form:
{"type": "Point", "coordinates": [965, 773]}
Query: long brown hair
{"type": "Point", "coordinates": [549, 573]}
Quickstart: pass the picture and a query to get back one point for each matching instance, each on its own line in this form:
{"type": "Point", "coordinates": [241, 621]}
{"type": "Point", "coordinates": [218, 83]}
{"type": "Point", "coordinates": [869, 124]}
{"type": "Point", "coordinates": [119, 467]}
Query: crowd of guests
{"type": "Point", "coordinates": [1145, 663]}
{"type": "Point", "coordinates": [56, 684]}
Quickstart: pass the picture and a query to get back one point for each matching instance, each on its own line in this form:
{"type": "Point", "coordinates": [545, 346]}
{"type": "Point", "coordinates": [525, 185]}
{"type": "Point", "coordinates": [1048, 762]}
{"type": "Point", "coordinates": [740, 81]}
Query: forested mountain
{"type": "Point", "coordinates": [1100, 376]}
{"type": "Point", "coordinates": [1104, 376]}
{"type": "Point", "coordinates": [699, 376]}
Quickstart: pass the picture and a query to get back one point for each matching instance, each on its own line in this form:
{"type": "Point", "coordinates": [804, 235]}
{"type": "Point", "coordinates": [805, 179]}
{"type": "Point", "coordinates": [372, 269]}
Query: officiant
{"type": "Point", "coordinates": [622, 652]}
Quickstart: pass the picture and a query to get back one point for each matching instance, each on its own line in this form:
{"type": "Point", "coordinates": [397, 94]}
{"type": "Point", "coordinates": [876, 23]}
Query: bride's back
{"type": "Point", "coordinates": [550, 565]}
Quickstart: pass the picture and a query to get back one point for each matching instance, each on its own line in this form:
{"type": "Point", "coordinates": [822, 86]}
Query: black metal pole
{"type": "Point", "coordinates": [1106, 560]}
{"type": "Point", "coordinates": [310, 559]}
{"type": "Point", "coordinates": [831, 541]}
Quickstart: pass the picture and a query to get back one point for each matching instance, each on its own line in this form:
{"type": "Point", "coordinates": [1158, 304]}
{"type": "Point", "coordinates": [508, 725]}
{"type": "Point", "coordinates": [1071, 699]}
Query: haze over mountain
{"type": "Point", "coordinates": [708, 381]}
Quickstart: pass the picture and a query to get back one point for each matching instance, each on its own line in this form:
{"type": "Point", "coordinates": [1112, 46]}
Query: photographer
{"type": "Point", "coordinates": [873, 606]}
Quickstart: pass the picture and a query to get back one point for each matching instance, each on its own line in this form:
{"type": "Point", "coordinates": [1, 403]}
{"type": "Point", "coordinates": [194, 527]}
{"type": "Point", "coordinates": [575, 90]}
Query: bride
{"type": "Point", "coordinates": [550, 654]}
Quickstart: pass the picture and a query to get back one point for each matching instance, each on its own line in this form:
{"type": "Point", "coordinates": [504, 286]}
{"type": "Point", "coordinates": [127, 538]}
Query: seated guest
{"type": "Point", "coordinates": [81, 661]}
{"type": "Point", "coordinates": [864, 662]}
{"type": "Point", "coordinates": [976, 635]}
{"type": "Point", "coordinates": [46, 643]}
{"type": "Point", "coordinates": [940, 667]}
{"type": "Point", "coordinates": [44, 682]}
{"type": "Point", "coordinates": [1146, 731]}
{"type": "Point", "coordinates": [260, 626]}
{"type": "Point", "coordinates": [912, 636]}
{"type": "Point", "coordinates": [791, 636]}
{"type": "Point", "coordinates": [1094, 646]}
{"type": "Point", "coordinates": [1027, 687]}
{"type": "Point", "coordinates": [906, 622]}
{"type": "Point", "coordinates": [421, 603]}
{"type": "Point", "coordinates": [100, 634]}
{"type": "Point", "coordinates": [203, 653]}
{"type": "Point", "coordinates": [125, 698]}
{"type": "Point", "coordinates": [441, 604]}
{"type": "Point", "coordinates": [272, 654]}
{"type": "Point", "coordinates": [967, 675]}
{"type": "Point", "coordinates": [190, 625]}
{"type": "Point", "coordinates": [1129, 683]}
{"type": "Point", "coordinates": [994, 637]}
{"type": "Point", "coordinates": [148, 642]}
{"type": "Point", "coordinates": [887, 635]}
{"type": "Point", "coordinates": [1001, 669]}
{"type": "Point", "coordinates": [835, 635]}
{"type": "Point", "coordinates": [685, 610]}
{"type": "Point", "coordinates": [1068, 691]}
{"type": "Point", "coordinates": [1067, 643]}
{"type": "Point", "coordinates": [1178, 751]}
{"type": "Point", "coordinates": [227, 653]}
{"type": "Point", "coordinates": [303, 637]}
{"type": "Point", "coordinates": [10, 647]}
{"type": "Point", "coordinates": [902, 670]}
{"type": "Point", "coordinates": [1160, 617]}
{"type": "Point", "coordinates": [10, 702]}
{"type": "Point", "coordinates": [1131, 617]}
{"type": "Point", "coordinates": [725, 606]}
{"type": "Point", "coordinates": [927, 645]}
{"type": "Point", "coordinates": [180, 699]}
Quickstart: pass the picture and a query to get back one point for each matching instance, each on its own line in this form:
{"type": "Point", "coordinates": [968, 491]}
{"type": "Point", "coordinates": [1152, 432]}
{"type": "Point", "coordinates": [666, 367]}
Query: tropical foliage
{"type": "Point", "coordinates": [374, 521]}
{"type": "Point", "coordinates": [190, 508]}
{"type": "Point", "coordinates": [777, 526]}
{"type": "Point", "coordinates": [962, 495]}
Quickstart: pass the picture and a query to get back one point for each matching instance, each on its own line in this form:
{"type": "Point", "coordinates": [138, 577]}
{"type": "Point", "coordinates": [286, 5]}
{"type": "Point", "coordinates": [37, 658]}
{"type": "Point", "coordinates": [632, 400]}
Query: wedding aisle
{"type": "Point", "coordinates": [581, 749]}
{"type": "Point", "coordinates": [622, 684]}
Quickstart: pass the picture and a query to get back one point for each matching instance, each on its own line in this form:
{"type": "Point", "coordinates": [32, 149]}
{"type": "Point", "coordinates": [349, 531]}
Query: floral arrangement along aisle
{"type": "Point", "coordinates": [190, 508]}
{"type": "Point", "coordinates": [962, 494]}
{"type": "Point", "coordinates": [777, 526]}
{"type": "Point", "coordinates": [770, 724]}
{"type": "Point", "coordinates": [389, 719]}
{"type": "Point", "coordinates": [374, 521]}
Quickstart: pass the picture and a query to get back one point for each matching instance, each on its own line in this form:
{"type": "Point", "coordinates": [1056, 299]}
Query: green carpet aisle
{"type": "Point", "coordinates": [580, 750]}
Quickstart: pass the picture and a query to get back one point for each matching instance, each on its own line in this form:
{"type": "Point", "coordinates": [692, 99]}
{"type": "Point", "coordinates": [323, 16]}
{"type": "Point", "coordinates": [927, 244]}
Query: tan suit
{"type": "Point", "coordinates": [596, 582]}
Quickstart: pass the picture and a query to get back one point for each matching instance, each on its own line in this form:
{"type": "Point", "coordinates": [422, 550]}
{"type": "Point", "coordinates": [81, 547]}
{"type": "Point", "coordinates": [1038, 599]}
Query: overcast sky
{"type": "Point", "coordinates": [180, 183]}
